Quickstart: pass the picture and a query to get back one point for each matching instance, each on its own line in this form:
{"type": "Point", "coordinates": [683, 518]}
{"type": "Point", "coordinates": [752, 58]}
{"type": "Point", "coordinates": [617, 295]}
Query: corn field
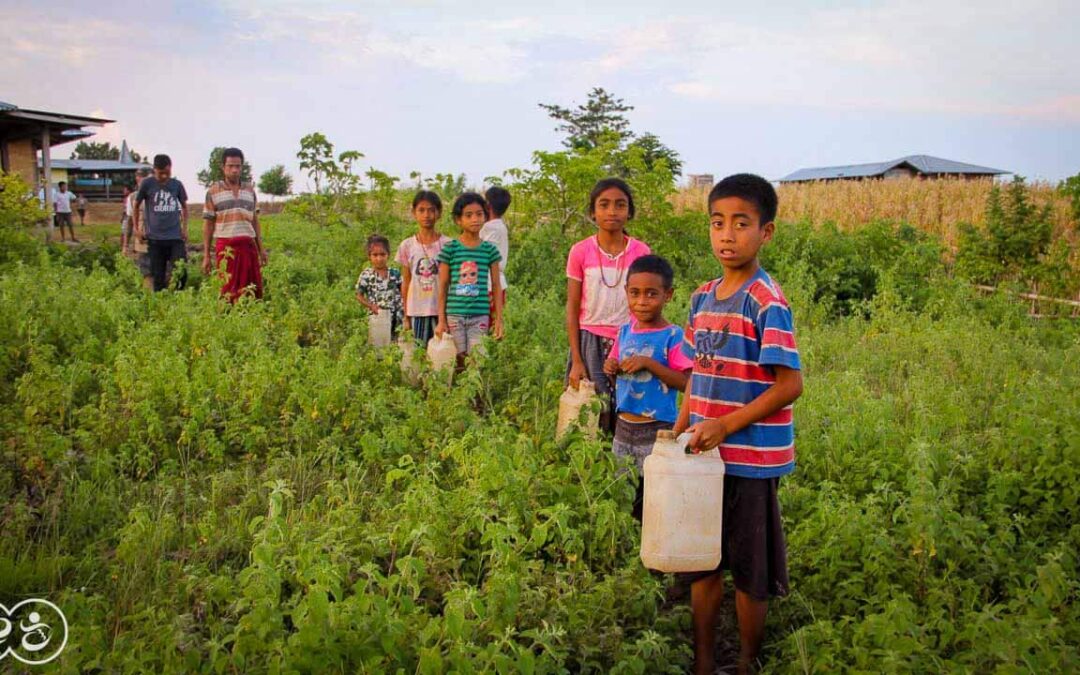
{"type": "Point", "coordinates": [935, 206]}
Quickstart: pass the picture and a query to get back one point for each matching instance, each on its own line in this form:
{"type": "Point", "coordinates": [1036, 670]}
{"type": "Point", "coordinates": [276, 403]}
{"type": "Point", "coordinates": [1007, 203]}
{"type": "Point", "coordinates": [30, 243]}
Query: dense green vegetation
{"type": "Point", "coordinates": [249, 488]}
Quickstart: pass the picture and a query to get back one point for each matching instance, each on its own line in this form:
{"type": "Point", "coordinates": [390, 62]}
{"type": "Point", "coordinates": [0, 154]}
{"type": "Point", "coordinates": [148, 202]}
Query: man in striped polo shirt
{"type": "Point", "coordinates": [232, 221]}
{"type": "Point", "coordinates": [746, 376]}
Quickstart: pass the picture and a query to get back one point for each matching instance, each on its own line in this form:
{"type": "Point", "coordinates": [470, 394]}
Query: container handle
{"type": "Point", "coordinates": [683, 440]}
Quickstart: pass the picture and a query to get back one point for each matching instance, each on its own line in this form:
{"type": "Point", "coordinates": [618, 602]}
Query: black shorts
{"type": "Point", "coordinates": [752, 545]}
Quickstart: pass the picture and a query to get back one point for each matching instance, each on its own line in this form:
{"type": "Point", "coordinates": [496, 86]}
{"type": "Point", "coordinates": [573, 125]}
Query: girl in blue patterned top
{"type": "Point", "coordinates": [379, 287]}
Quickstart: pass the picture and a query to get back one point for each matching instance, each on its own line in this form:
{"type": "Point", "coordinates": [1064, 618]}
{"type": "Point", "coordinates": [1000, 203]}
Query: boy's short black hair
{"type": "Point", "coordinates": [464, 199]}
{"type": "Point", "coordinates": [162, 162]}
{"type": "Point", "coordinates": [653, 264]}
{"type": "Point", "coordinates": [498, 198]}
{"type": "Point", "coordinates": [429, 197]}
{"type": "Point", "coordinates": [604, 184]}
{"type": "Point", "coordinates": [63, 182]}
{"type": "Point", "coordinates": [753, 189]}
{"type": "Point", "coordinates": [378, 240]}
{"type": "Point", "coordinates": [232, 152]}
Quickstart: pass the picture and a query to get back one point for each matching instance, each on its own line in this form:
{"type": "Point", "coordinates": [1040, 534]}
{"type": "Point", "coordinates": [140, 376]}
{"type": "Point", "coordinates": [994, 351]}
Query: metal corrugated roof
{"type": "Point", "coordinates": [921, 163]}
{"type": "Point", "coordinates": [4, 105]}
{"type": "Point", "coordinates": [95, 165]}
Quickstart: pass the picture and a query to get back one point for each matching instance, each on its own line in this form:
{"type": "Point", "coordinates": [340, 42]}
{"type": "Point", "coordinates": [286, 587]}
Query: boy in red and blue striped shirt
{"type": "Point", "coordinates": [746, 376]}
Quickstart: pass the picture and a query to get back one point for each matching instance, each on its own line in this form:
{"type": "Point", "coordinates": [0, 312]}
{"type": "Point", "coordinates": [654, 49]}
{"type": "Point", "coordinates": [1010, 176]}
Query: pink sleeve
{"type": "Point", "coordinates": [403, 253]}
{"type": "Point", "coordinates": [677, 360]}
{"type": "Point", "coordinates": [575, 268]}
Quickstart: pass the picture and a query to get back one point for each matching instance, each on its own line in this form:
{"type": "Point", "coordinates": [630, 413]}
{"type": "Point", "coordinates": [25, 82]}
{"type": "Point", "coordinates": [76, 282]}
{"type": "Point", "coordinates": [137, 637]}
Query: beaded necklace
{"type": "Point", "coordinates": [618, 269]}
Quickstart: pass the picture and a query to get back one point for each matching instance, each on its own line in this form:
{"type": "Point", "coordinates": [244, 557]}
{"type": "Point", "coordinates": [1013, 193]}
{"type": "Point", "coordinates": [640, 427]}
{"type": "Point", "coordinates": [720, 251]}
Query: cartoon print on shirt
{"type": "Point", "coordinates": [427, 272]}
{"type": "Point", "coordinates": [708, 343]}
{"type": "Point", "coordinates": [468, 274]}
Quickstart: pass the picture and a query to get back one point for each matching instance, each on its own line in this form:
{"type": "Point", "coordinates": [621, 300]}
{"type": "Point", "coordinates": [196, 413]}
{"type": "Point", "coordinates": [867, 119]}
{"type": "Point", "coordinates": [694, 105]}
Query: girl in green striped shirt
{"type": "Point", "coordinates": [465, 265]}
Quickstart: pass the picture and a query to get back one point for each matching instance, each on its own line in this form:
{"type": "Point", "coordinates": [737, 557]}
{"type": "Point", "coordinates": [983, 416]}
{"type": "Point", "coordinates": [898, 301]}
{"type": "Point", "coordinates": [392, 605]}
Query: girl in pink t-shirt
{"type": "Point", "coordinates": [418, 256]}
{"type": "Point", "coordinates": [595, 289]}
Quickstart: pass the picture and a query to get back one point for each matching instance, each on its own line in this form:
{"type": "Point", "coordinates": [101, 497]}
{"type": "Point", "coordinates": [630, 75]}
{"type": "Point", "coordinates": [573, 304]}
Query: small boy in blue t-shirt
{"type": "Point", "coordinates": [649, 365]}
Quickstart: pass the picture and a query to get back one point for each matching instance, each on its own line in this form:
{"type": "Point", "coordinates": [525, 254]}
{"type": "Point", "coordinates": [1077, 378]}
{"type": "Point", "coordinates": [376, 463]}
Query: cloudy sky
{"type": "Point", "coordinates": [454, 86]}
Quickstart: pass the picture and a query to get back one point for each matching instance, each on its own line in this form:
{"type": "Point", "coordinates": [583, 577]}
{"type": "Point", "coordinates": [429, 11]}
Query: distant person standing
{"type": "Point", "coordinates": [232, 221]}
{"type": "Point", "coordinates": [80, 206]}
{"type": "Point", "coordinates": [165, 228]}
{"type": "Point", "coordinates": [62, 208]}
{"type": "Point", "coordinates": [137, 245]}
{"type": "Point", "coordinates": [494, 230]}
{"type": "Point", "coordinates": [125, 221]}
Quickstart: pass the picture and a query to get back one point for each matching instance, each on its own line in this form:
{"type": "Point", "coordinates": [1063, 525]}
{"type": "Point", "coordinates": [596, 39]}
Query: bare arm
{"type": "Point", "coordinates": [372, 307]}
{"type": "Point", "coordinates": [444, 290]}
{"type": "Point", "coordinates": [683, 421]}
{"type": "Point", "coordinates": [136, 216]}
{"type": "Point", "coordinates": [496, 288]}
{"type": "Point", "coordinates": [257, 226]}
{"type": "Point", "coordinates": [406, 279]}
{"type": "Point", "coordinates": [183, 221]}
{"type": "Point", "coordinates": [573, 331]}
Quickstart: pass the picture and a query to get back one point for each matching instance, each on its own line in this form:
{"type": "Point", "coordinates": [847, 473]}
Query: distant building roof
{"type": "Point", "coordinates": [923, 164]}
{"type": "Point", "coordinates": [96, 165]}
{"type": "Point", "coordinates": [125, 163]}
{"type": "Point", "coordinates": [19, 123]}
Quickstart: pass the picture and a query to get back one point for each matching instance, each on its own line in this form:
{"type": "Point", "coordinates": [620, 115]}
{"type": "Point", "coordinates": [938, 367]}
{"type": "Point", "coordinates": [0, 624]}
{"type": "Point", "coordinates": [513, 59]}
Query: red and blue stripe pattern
{"type": "Point", "coordinates": [734, 343]}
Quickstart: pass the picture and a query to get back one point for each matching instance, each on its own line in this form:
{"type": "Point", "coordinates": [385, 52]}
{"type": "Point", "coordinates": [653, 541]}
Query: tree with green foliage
{"type": "Point", "coordinates": [317, 158]}
{"type": "Point", "coordinates": [101, 150]}
{"type": "Point", "coordinates": [590, 123]}
{"type": "Point", "coordinates": [601, 122]}
{"type": "Point", "coordinates": [275, 181]}
{"type": "Point", "coordinates": [214, 170]}
{"type": "Point", "coordinates": [1070, 187]}
{"type": "Point", "coordinates": [654, 151]}
{"type": "Point", "coordinates": [1016, 236]}
{"type": "Point", "coordinates": [19, 212]}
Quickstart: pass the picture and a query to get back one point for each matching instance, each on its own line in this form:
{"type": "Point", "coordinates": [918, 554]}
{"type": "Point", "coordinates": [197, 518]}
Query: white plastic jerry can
{"type": "Point", "coordinates": [442, 352]}
{"type": "Point", "coordinates": [571, 404]}
{"type": "Point", "coordinates": [684, 506]}
{"type": "Point", "coordinates": [409, 366]}
{"type": "Point", "coordinates": [379, 328]}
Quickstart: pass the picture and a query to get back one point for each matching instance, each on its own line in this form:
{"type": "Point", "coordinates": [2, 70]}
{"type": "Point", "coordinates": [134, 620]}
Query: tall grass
{"type": "Point", "coordinates": [934, 206]}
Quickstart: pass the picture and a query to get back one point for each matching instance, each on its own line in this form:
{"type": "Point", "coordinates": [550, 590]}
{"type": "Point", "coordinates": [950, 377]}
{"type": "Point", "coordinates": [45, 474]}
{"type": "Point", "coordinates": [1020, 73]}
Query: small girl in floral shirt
{"type": "Point", "coordinates": [379, 288]}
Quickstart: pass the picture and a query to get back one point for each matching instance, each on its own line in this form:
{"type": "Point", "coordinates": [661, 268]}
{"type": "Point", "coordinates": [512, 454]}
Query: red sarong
{"type": "Point", "coordinates": [243, 271]}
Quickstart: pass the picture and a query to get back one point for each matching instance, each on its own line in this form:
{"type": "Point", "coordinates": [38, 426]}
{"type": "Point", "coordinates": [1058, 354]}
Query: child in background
{"type": "Point", "coordinates": [80, 206]}
{"type": "Point", "coordinates": [418, 256]}
{"type": "Point", "coordinates": [595, 294]}
{"type": "Point", "coordinates": [494, 230]}
{"type": "Point", "coordinates": [746, 376]}
{"type": "Point", "coordinates": [649, 364]}
{"type": "Point", "coordinates": [379, 288]}
{"type": "Point", "coordinates": [465, 265]}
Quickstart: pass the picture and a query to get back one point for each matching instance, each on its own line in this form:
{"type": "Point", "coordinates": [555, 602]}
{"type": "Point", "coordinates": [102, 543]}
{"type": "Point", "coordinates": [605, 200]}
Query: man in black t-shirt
{"type": "Point", "coordinates": [166, 220]}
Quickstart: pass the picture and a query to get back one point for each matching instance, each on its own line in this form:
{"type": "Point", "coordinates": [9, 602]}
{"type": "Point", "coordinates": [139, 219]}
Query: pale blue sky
{"type": "Point", "coordinates": [439, 86]}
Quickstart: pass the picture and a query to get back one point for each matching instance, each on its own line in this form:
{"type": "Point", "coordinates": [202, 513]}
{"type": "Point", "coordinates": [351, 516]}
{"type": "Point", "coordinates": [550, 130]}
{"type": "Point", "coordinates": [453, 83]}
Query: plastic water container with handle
{"type": "Point", "coordinates": [571, 404]}
{"type": "Point", "coordinates": [379, 326]}
{"type": "Point", "coordinates": [442, 352]}
{"type": "Point", "coordinates": [409, 367]}
{"type": "Point", "coordinates": [684, 506]}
